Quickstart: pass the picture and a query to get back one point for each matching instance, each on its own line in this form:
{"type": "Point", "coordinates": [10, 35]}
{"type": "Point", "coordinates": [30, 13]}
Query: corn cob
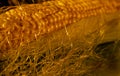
{"type": "Point", "coordinates": [28, 22]}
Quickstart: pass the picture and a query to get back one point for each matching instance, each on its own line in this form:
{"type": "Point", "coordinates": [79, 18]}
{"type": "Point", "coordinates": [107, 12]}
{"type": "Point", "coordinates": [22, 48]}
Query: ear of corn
{"type": "Point", "coordinates": [18, 28]}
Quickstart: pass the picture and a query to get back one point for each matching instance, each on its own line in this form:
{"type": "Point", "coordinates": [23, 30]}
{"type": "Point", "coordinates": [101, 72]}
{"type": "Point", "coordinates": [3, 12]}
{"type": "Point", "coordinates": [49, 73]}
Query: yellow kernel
{"type": "Point", "coordinates": [55, 18]}
{"type": "Point", "coordinates": [52, 27]}
{"type": "Point", "coordinates": [60, 3]}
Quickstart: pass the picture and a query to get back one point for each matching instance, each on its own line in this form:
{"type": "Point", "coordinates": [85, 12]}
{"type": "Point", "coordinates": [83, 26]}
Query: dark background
{"type": "Point", "coordinates": [18, 2]}
{"type": "Point", "coordinates": [4, 3]}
